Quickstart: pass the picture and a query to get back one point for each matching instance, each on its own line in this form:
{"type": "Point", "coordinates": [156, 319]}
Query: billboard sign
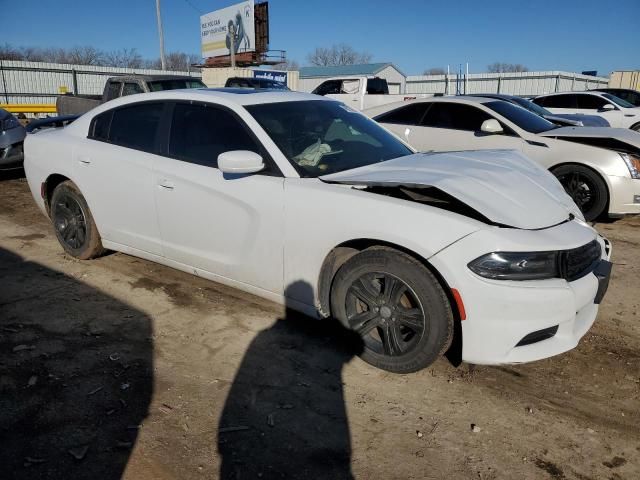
{"type": "Point", "coordinates": [271, 75]}
{"type": "Point", "coordinates": [232, 24]}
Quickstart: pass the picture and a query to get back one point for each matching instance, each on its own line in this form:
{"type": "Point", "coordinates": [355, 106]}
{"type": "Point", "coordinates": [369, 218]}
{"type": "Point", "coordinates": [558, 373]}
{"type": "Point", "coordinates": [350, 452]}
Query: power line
{"type": "Point", "coordinates": [188, 2]}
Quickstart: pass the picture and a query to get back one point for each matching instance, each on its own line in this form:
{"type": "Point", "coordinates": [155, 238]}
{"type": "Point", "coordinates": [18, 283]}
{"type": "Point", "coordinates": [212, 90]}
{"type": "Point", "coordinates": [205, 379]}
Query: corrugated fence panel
{"type": "Point", "coordinates": [521, 83]}
{"type": "Point", "coordinates": [40, 82]}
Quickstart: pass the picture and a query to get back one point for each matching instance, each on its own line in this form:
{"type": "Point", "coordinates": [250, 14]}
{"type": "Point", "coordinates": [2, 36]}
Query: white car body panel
{"type": "Point", "coordinates": [270, 235]}
{"type": "Point", "coordinates": [619, 117]}
{"type": "Point", "coordinates": [542, 148]}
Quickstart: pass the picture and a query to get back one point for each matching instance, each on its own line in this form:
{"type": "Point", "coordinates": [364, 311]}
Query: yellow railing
{"type": "Point", "coordinates": [29, 107]}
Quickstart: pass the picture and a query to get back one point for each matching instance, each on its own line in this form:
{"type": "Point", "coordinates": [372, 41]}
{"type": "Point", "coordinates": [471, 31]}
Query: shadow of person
{"type": "Point", "coordinates": [285, 416]}
{"type": "Point", "coordinates": [76, 375]}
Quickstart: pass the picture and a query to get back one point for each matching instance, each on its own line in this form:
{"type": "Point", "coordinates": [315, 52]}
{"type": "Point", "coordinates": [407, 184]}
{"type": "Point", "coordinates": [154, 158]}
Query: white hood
{"type": "Point", "coordinates": [623, 135]}
{"type": "Point", "coordinates": [503, 185]}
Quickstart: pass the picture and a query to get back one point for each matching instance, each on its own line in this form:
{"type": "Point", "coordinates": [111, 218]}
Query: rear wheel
{"type": "Point", "coordinates": [397, 307]}
{"type": "Point", "coordinates": [636, 127]}
{"type": "Point", "coordinates": [72, 221]}
{"type": "Point", "coordinates": [587, 189]}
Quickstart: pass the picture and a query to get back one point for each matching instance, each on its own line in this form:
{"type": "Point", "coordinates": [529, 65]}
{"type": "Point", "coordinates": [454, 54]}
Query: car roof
{"type": "Point", "coordinates": [589, 92]}
{"type": "Point", "coordinates": [499, 96]}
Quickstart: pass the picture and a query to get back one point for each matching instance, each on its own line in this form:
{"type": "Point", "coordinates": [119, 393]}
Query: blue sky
{"type": "Point", "coordinates": [541, 34]}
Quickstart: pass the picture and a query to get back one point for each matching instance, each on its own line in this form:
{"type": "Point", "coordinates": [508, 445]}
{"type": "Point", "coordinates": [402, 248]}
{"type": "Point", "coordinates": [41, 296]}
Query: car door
{"type": "Point", "coordinates": [589, 104]}
{"type": "Point", "coordinates": [228, 225]}
{"type": "Point", "coordinates": [113, 169]}
{"type": "Point", "coordinates": [450, 126]}
{"type": "Point", "coordinates": [561, 103]}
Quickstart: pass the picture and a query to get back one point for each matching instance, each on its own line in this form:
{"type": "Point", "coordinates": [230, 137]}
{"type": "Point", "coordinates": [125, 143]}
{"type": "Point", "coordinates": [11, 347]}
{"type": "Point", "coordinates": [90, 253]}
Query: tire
{"type": "Point", "coordinates": [636, 127]}
{"type": "Point", "coordinates": [73, 223]}
{"type": "Point", "coordinates": [587, 189]}
{"type": "Point", "coordinates": [396, 305]}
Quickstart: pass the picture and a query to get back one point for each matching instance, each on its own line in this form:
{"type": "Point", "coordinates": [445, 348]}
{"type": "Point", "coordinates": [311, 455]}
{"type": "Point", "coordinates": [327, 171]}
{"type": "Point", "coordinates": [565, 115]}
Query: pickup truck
{"type": "Point", "coordinates": [121, 86]}
{"type": "Point", "coordinates": [361, 93]}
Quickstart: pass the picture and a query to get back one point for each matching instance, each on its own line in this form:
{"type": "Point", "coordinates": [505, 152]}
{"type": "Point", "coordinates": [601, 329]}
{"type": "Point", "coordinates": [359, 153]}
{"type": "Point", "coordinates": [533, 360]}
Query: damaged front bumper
{"type": "Point", "coordinates": [522, 321]}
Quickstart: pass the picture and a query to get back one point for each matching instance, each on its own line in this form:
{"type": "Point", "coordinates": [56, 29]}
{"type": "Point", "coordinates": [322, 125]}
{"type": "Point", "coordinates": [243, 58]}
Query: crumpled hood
{"type": "Point", "coordinates": [624, 135]}
{"type": "Point", "coordinates": [503, 185]}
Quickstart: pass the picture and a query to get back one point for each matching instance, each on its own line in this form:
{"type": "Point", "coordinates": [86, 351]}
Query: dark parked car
{"type": "Point", "coordinates": [631, 96]}
{"type": "Point", "coordinates": [258, 83]}
{"type": "Point", "coordinates": [12, 135]}
{"type": "Point", "coordinates": [562, 119]}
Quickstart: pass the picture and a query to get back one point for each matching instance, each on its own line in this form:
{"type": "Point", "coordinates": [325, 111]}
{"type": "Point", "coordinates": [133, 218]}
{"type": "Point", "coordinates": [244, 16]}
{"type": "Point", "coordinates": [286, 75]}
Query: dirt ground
{"type": "Point", "coordinates": [119, 367]}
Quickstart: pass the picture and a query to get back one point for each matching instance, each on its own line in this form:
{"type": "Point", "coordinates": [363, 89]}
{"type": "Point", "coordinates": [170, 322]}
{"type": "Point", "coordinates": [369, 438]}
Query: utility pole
{"type": "Point", "coordinates": [161, 35]}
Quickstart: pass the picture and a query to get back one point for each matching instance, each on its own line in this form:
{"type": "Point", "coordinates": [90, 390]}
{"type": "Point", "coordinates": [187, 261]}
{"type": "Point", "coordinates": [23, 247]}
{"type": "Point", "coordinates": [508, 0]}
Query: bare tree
{"type": "Point", "coordinates": [8, 52]}
{"type": "Point", "coordinates": [341, 54]}
{"type": "Point", "coordinates": [499, 67]}
{"type": "Point", "coordinates": [289, 65]}
{"type": "Point", "coordinates": [126, 57]}
{"type": "Point", "coordinates": [85, 55]}
{"type": "Point", "coordinates": [434, 71]}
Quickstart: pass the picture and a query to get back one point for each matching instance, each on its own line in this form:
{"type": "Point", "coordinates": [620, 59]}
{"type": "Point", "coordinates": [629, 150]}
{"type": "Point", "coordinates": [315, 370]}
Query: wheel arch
{"type": "Point", "coordinates": [345, 250]}
{"type": "Point", "coordinates": [603, 176]}
{"type": "Point", "coordinates": [635, 127]}
{"type": "Point", "coordinates": [50, 185]}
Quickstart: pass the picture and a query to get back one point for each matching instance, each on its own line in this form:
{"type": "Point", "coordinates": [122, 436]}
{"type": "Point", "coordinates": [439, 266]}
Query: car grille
{"type": "Point", "coordinates": [578, 262]}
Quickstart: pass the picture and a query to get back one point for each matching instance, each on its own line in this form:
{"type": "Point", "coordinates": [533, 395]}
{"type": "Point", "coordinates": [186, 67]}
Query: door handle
{"type": "Point", "coordinates": [166, 184]}
{"type": "Point", "coordinates": [84, 160]}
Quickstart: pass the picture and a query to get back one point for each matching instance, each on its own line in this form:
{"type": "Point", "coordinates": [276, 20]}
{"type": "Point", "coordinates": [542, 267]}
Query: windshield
{"type": "Point", "coordinates": [617, 100]}
{"type": "Point", "coordinates": [320, 137]}
{"type": "Point", "coordinates": [158, 85]}
{"type": "Point", "coordinates": [522, 118]}
{"type": "Point", "coordinates": [532, 107]}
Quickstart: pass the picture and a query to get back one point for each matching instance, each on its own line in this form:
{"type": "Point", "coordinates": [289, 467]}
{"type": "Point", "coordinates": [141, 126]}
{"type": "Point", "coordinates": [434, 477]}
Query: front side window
{"type": "Point", "coordinates": [330, 87]}
{"type": "Point", "coordinates": [100, 124]}
{"type": "Point", "coordinates": [136, 126]}
{"type": "Point", "coordinates": [591, 102]}
{"type": "Point", "coordinates": [455, 116]}
{"type": "Point", "coordinates": [523, 118]}
{"type": "Point", "coordinates": [113, 90]}
{"type": "Point", "coordinates": [199, 133]}
{"type": "Point", "coordinates": [557, 101]}
{"type": "Point", "coordinates": [406, 115]}
{"type": "Point", "coordinates": [131, 88]}
{"type": "Point", "coordinates": [321, 137]}
{"type": "Point", "coordinates": [176, 84]}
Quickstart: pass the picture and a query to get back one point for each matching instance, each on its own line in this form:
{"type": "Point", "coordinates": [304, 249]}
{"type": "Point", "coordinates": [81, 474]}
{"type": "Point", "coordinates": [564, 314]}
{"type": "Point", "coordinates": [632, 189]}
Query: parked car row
{"type": "Point", "coordinates": [598, 167]}
{"type": "Point", "coordinates": [304, 201]}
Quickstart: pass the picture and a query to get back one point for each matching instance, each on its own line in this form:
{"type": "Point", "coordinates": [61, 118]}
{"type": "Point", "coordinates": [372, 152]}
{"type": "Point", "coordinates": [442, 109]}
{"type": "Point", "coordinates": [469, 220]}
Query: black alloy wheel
{"type": "Point", "coordinates": [386, 313]}
{"type": "Point", "coordinates": [70, 221]}
{"type": "Point", "coordinates": [586, 188]}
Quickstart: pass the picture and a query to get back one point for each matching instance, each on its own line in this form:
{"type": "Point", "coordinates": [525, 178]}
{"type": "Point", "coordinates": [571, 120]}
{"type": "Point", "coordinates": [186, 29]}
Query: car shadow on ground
{"type": "Point", "coordinates": [285, 415]}
{"type": "Point", "coordinates": [74, 386]}
{"type": "Point", "coordinates": [12, 174]}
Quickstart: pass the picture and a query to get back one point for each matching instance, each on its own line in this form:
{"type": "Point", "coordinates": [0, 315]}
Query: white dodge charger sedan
{"type": "Point", "coordinates": [301, 200]}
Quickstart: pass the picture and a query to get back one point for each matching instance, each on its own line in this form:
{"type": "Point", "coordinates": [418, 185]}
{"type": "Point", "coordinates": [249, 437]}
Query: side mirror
{"type": "Point", "coordinates": [607, 107]}
{"type": "Point", "coordinates": [240, 161]}
{"type": "Point", "coordinates": [491, 126]}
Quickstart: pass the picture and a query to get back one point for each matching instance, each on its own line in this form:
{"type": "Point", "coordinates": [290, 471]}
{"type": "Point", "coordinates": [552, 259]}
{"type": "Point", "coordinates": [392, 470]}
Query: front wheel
{"type": "Point", "coordinates": [396, 305]}
{"type": "Point", "coordinates": [587, 189]}
{"type": "Point", "coordinates": [73, 223]}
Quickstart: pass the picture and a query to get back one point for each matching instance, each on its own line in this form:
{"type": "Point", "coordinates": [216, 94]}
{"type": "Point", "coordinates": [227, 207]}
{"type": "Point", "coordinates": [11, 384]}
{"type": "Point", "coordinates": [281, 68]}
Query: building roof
{"type": "Point", "coordinates": [340, 70]}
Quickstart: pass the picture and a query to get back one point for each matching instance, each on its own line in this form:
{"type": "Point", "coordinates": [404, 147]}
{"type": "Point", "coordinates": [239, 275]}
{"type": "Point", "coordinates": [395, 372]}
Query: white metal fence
{"type": "Point", "coordinates": [39, 82]}
{"type": "Point", "coordinates": [522, 83]}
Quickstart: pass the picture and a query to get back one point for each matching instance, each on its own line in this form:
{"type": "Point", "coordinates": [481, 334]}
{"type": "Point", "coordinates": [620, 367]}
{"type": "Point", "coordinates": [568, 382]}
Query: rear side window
{"type": "Point", "coordinates": [557, 101]}
{"type": "Point", "coordinates": [408, 115]}
{"type": "Point", "coordinates": [456, 116]}
{"type": "Point", "coordinates": [113, 90]}
{"type": "Point", "coordinates": [131, 88]}
{"type": "Point", "coordinates": [136, 126]}
{"type": "Point", "coordinates": [199, 133]}
{"type": "Point", "coordinates": [377, 86]}
{"type": "Point", "coordinates": [99, 129]}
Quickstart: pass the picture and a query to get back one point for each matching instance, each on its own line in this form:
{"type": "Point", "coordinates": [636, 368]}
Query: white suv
{"type": "Point", "coordinates": [618, 112]}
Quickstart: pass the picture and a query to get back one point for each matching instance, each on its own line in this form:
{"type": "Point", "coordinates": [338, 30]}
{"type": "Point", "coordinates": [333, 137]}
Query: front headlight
{"type": "Point", "coordinates": [516, 265]}
{"type": "Point", "coordinates": [633, 163]}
